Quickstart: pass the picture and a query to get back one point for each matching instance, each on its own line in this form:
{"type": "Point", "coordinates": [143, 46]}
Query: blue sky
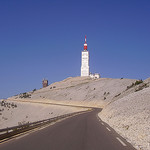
{"type": "Point", "coordinates": [44, 39]}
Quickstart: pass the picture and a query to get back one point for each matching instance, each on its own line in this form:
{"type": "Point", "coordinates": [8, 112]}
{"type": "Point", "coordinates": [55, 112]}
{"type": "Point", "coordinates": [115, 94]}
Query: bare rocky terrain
{"type": "Point", "coordinates": [19, 113]}
{"type": "Point", "coordinates": [130, 117]}
{"type": "Point", "coordinates": [80, 91]}
{"type": "Point", "coordinates": [125, 103]}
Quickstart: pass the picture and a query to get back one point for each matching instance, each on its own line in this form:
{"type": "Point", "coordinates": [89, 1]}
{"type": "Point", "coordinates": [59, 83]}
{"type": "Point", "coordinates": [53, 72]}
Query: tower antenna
{"type": "Point", "coordinates": [85, 38]}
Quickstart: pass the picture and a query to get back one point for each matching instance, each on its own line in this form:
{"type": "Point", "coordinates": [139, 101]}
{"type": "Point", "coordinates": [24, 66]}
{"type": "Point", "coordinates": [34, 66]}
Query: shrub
{"type": "Point", "coordinates": [141, 87]}
{"type": "Point", "coordinates": [34, 90]}
{"type": "Point", "coordinates": [118, 95]}
{"type": "Point", "coordinates": [25, 95]}
{"type": "Point", "coordinates": [138, 82]}
{"type": "Point", "coordinates": [106, 93]}
{"type": "Point", "coordinates": [134, 84]}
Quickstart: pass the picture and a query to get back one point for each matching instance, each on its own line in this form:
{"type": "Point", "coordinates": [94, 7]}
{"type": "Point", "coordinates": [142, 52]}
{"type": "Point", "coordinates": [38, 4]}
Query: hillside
{"type": "Point", "coordinates": [81, 91]}
{"type": "Point", "coordinates": [17, 113]}
{"type": "Point", "coordinates": [130, 116]}
{"type": "Point", "coordinates": [125, 103]}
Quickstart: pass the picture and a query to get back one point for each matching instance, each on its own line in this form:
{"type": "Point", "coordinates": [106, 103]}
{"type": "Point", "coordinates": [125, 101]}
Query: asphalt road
{"type": "Point", "coordinates": [82, 132]}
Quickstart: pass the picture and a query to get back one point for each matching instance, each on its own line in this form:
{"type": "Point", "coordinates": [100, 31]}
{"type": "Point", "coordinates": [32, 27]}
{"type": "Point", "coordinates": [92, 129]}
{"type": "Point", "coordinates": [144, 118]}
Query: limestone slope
{"type": "Point", "coordinates": [16, 113]}
{"type": "Point", "coordinates": [130, 116]}
{"type": "Point", "coordinates": [125, 102]}
{"type": "Point", "coordinates": [82, 90]}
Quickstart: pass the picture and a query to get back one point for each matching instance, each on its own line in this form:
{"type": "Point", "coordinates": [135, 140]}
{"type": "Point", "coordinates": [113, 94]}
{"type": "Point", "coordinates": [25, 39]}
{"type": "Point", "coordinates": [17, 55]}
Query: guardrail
{"type": "Point", "coordinates": [7, 133]}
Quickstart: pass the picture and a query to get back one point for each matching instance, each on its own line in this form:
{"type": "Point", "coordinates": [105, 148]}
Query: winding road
{"type": "Point", "coordinates": [81, 132]}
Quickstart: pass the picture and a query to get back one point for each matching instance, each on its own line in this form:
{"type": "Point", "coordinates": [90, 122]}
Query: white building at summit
{"type": "Point", "coordinates": [85, 61]}
{"type": "Point", "coordinates": [85, 69]}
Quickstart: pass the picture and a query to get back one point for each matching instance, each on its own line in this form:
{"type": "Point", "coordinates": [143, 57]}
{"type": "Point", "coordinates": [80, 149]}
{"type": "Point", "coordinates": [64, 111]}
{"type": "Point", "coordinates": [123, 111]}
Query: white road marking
{"type": "Point", "coordinates": [121, 141]}
{"type": "Point", "coordinates": [102, 123]}
{"type": "Point", "coordinates": [108, 129]}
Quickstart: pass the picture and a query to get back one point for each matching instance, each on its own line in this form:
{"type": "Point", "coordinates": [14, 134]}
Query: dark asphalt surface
{"type": "Point", "coordinates": [81, 132]}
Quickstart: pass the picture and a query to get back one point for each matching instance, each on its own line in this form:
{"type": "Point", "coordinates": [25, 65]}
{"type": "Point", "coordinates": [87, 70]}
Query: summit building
{"type": "Point", "coordinates": [85, 69]}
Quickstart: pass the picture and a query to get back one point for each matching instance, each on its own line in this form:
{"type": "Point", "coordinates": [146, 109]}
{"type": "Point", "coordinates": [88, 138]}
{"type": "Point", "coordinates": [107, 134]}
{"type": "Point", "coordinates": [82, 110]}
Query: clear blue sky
{"type": "Point", "coordinates": [44, 39]}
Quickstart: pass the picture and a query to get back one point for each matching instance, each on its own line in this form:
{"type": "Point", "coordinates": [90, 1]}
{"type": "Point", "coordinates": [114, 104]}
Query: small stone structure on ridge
{"type": "Point", "coordinates": [45, 83]}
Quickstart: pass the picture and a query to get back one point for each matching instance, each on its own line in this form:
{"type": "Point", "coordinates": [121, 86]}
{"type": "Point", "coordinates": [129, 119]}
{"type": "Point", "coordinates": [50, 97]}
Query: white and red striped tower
{"type": "Point", "coordinates": [85, 61]}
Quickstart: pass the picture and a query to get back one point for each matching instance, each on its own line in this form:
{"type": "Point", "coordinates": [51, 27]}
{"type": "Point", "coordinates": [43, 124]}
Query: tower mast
{"type": "Point", "coordinates": [85, 61]}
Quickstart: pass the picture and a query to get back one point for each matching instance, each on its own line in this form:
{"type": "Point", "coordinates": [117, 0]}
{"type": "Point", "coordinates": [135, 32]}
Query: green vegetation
{"type": "Point", "coordinates": [7, 105]}
{"type": "Point", "coordinates": [142, 87]}
{"type": "Point", "coordinates": [25, 95]}
{"type": "Point", "coordinates": [138, 82]}
{"type": "Point", "coordinates": [134, 84]}
{"type": "Point", "coordinates": [34, 90]}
